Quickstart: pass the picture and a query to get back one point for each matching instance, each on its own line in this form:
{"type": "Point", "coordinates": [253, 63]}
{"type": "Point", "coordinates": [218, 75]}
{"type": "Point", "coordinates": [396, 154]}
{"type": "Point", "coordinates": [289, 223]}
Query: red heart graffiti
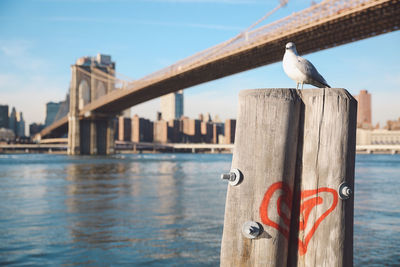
{"type": "Point", "coordinates": [307, 205]}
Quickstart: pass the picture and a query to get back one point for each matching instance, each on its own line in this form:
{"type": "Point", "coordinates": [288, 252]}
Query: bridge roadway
{"type": "Point", "coordinates": [324, 25]}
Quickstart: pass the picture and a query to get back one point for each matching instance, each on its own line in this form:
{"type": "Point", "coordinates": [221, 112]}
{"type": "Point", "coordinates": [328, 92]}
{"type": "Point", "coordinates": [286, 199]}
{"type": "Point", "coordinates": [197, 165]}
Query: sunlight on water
{"type": "Point", "coordinates": [156, 210]}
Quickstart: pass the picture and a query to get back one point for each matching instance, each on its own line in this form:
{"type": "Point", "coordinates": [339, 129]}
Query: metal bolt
{"type": "Point", "coordinates": [345, 191]}
{"type": "Point", "coordinates": [234, 177]}
{"type": "Point", "coordinates": [252, 229]}
{"type": "Point", "coordinates": [228, 176]}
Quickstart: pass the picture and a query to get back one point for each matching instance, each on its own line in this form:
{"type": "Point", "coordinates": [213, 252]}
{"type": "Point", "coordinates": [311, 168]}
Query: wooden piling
{"type": "Point", "coordinates": [265, 153]}
{"type": "Point", "coordinates": [322, 235]}
{"type": "Point", "coordinates": [294, 149]}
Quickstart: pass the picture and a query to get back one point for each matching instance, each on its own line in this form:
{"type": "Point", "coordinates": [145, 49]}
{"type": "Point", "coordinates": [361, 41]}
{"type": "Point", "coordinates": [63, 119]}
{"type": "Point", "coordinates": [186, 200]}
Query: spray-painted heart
{"type": "Point", "coordinates": [309, 200]}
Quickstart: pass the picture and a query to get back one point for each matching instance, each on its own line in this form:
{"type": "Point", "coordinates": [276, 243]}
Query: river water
{"type": "Point", "coordinates": [156, 210]}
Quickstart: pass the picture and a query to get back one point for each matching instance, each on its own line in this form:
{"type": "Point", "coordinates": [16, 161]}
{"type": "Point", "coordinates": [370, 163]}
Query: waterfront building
{"type": "Point", "coordinates": [52, 109]}
{"type": "Point", "coordinates": [6, 135]}
{"type": "Point", "coordinates": [160, 134]}
{"type": "Point", "coordinates": [124, 129]}
{"type": "Point", "coordinates": [183, 130]}
{"type": "Point", "coordinates": [206, 129]}
{"type": "Point", "coordinates": [142, 129]}
{"type": "Point", "coordinates": [167, 132]}
{"type": "Point", "coordinates": [218, 133]}
{"type": "Point", "coordinates": [364, 118]}
{"type": "Point", "coordinates": [174, 132]}
{"type": "Point", "coordinates": [377, 137]}
{"type": "Point", "coordinates": [230, 127]}
{"type": "Point", "coordinates": [393, 125]}
{"type": "Point", "coordinates": [4, 116]}
{"type": "Point", "coordinates": [191, 131]}
{"type": "Point", "coordinates": [172, 106]}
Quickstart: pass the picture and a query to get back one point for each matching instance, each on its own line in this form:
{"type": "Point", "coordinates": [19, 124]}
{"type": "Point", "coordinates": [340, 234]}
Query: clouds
{"type": "Point", "coordinates": [124, 21]}
{"type": "Point", "coordinates": [17, 54]}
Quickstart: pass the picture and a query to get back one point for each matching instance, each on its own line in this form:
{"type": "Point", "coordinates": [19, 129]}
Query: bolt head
{"type": "Point", "coordinates": [251, 229]}
{"type": "Point", "coordinates": [345, 191]}
{"type": "Point", "coordinates": [237, 177]}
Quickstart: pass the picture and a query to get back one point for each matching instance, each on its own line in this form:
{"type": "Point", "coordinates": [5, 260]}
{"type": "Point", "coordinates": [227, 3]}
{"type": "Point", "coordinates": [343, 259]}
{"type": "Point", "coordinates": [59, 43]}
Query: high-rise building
{"type": "Point", "coordinates": [172, 106]}
{"type": "Point", "coordinates": [364, 119]}
{"type": "Point", "coordinates": [206, 132]}
{"type": "Point", "coordinates": [142, 129]}
{"type": "Point", "coordinates": [191, 130]}
{"type": "Point", "coordinates": [230, 127]}
{"type": "Point", "coordinates": [218, 130]}
{"type": "Point", "coordinates": [12, 122]}
{"type": "Point", "coordinates": [51, 112]}
{"type": "Point", "coordinates": [160, 134]}
{"type": "Point", "coordinates": [20, 131]}
{"type": "Point", "coordinates": [4, 116]}
{"type": "Point", "coordinates": [124, 129]}
{"type": "Point", "coordinates": [63, 109]}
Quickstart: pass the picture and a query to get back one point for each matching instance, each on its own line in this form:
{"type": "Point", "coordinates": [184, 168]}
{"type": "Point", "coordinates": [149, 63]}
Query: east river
{"type": "Point", "coordinates": [156, 210]}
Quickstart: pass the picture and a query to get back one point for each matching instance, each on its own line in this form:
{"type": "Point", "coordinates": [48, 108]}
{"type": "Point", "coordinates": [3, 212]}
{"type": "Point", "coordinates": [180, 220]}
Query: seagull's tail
{"type": "Point", "coordinates": [320, 84]}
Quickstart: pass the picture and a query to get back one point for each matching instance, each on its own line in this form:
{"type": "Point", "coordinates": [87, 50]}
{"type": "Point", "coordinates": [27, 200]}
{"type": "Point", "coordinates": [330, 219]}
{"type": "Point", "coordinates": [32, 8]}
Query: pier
{"type": "Point", "coordinates": [132, 147]}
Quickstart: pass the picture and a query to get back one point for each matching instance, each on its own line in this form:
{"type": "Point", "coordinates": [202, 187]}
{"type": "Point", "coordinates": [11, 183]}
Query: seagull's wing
{"type": "Point", "coordinates": [308, 69]}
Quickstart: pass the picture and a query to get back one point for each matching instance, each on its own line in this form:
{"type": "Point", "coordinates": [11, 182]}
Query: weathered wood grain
{"type": "Point", "coordinates": [305, 141]}
{"type": "Point", "coordinates": [265, 152]}
{"type": "Point", "coordinates": [326, 158]}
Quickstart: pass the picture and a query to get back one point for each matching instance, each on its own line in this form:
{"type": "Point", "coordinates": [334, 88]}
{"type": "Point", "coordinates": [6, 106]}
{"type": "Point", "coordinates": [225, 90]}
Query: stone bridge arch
{"type": "Point", "coordinates": [90, 133]}
{"type": "Point", "coordinates": [84, 96]}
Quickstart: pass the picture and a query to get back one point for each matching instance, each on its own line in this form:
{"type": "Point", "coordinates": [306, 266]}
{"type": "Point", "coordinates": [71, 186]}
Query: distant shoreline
{"type": "Point", "coordinates": [161, 152]}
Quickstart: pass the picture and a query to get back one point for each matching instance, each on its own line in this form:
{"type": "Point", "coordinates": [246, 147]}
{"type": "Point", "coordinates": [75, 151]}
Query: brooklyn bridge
{"type": "Point", "coordinates": [98, 93]}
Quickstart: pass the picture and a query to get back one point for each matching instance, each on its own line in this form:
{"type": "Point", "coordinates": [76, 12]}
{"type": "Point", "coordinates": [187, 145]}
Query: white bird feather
{"type": "Point", "coordinates": [300, 69]}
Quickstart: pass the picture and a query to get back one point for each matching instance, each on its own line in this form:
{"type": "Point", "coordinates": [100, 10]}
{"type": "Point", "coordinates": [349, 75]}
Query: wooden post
{"type": "Point", "coordinates": [294, 148]}
{"type": "Point", "coordinates": [322, 235]}
{"type": "Point", "coordinates": [265, 153]}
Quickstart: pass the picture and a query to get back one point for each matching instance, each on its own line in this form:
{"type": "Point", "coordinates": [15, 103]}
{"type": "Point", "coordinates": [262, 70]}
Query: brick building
{"type": "Point", "coordinates": [124, 129]}
{"type": "Point", "coordinates": [230, 127]}
{"type": "Point", "coordinates": [142, 129]}
{"type": "Point", "coordinates": [364, 118]}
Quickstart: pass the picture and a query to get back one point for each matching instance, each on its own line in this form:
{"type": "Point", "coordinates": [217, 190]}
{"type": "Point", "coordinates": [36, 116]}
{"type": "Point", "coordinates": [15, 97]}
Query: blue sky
{"type": "Point", "coordinates": [40, 39]}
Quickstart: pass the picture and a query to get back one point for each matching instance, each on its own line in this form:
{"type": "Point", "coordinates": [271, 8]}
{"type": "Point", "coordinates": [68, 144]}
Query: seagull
{"type": "Point", "coordinates": [300, 69]}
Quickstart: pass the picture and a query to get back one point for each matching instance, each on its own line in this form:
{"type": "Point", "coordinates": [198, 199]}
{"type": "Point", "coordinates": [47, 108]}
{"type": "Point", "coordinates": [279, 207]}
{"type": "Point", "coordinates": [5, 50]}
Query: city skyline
{"type": "Point", "coordinates": [41, 39]}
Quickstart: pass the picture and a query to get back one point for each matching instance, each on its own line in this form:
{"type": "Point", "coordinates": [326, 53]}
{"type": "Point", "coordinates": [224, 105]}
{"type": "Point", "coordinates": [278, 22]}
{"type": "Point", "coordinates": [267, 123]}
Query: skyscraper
{"type": "Point", "coordinates": [364, 119]}
{"type": "Point", "coordinates": [4, 116]}
{"type": "Point", "coordinates": [51, 112]}
{"type": "Point", "coordinates": [20, 131]}
{"type": "Point", "coordinates": [12, 122]}
{"type": "Point", "coordinates": [172, 106]}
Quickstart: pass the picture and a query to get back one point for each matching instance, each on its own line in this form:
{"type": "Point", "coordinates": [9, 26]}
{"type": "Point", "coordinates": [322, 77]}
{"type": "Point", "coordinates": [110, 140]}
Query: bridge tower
{"type": "Point", "coordinates": [90, 133]}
